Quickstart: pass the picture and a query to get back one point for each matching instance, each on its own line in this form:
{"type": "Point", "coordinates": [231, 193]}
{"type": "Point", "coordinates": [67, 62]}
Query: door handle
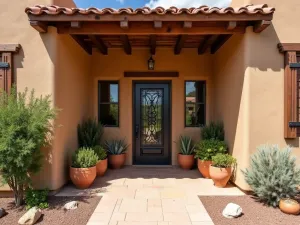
{"type": "Point", "coordinates": [137, 129]}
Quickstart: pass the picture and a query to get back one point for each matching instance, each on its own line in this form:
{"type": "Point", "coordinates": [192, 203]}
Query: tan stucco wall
{"type": "Point", "coordinates": [190, 66]}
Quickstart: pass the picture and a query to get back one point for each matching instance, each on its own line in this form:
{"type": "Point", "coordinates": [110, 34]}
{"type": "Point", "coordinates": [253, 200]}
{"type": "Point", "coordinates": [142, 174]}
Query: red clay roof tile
{"type": "Point", "coordinates": [56, 10]}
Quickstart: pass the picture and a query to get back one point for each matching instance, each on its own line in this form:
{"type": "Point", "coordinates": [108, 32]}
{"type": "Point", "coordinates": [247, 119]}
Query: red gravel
{"type": "Point", "coordinates": [55, 214]}
{"type": "Point", "coordinates": [254, 213]}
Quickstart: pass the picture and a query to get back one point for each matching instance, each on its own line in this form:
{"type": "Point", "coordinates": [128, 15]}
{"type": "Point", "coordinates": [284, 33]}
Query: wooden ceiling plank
{"type": "Point", "coordinates": [9, 47]}
{"type": "Point", "coordinates": [99, 44]}
{"type": "Point", "coordinates": [179, 44]}
{"type": "Point", "coordinates": [157, 24]}
{"type": "Point", "coordinates": [261, 25]}
{"type": "Point", "coordinates": [187, 24]}
{"type": "Point", "coordinates": [75, 24]}
{"type": "Point", "coordinates": [83, 44]}
{"type": "Point", "coordinates": [221, 40]}
{"type": "Point", "coordinates": [41, 27]}
{"type": "Point", "coordinates": [124, 24]}
{"type": "Point", "coordinates": [152, 44]}
{"type": "Point", "coordinates": [126, 44]}
{"type": "Point", "coordinates": [206, 43]}
{"type": "Point", "coordinates": [231, 25]}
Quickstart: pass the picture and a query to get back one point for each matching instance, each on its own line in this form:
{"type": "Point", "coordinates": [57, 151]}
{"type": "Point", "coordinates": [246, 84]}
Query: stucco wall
{"type": "Point", "coordinates": [190, 66]}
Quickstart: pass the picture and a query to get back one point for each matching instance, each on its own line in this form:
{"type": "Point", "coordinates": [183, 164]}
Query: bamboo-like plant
{"type": "Point", "coordinates": [89, 133]}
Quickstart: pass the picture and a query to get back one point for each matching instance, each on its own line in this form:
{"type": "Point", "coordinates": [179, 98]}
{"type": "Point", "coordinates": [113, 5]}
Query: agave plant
{"type": "Point", "coordinates": [116, 147]}
{"type": "Point", "coordinates": [186, 146]}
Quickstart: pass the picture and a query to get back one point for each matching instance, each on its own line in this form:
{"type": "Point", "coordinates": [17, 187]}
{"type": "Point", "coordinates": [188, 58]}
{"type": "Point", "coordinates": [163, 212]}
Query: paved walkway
{"type": "Point", "coordinates": [151, 196]}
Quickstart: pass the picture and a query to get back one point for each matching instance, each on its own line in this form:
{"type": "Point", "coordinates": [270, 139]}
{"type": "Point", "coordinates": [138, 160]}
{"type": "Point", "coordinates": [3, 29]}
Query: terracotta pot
{"type": "Point", "coordinates": [83, 177]}
{"type": "Point", "coordinates": [116, 161]}
{"type": "Point", "coordinates": [101, 167]}
{"type": "Point", "coordinates": [203, 167]}
{"type": "Point", "coordinates": [220, 176]}
{"type": "Point", "coordinates": [185, 161]}
{"type": "Point", "coordinates": [289, 206]}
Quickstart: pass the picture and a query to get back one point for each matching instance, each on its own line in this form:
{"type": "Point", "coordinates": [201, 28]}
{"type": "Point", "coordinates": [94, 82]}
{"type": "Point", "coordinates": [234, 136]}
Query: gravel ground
{"type": "Point", "coordinates": [55, 214]}
{"type": "Point", "coordinates": [254, 213]}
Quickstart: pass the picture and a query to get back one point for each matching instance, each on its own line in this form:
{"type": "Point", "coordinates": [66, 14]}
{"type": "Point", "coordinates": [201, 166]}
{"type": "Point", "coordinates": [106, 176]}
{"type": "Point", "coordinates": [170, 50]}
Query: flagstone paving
{"type": "Point", "coordinates": [151, 196]}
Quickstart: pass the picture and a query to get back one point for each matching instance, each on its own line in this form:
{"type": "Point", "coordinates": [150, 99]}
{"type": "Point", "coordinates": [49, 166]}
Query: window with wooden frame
{"type": "Point", "coordinates": [108, 103]}
{"type": "Point", "coordinates": [195, 103]}
{"type": "Point", "coordinates": [291, 89]}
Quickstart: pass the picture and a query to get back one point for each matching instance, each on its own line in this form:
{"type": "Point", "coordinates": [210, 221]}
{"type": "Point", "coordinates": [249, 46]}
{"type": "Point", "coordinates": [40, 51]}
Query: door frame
{"type": "Point", "coordinates": [134, 82]}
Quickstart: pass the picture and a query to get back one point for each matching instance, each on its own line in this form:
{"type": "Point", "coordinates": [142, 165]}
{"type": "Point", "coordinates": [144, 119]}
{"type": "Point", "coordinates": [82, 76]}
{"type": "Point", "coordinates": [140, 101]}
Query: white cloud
{"type": "Point", "coordinates": [121, 1]}
{"type": "Point", "coordinates": [187, 3]}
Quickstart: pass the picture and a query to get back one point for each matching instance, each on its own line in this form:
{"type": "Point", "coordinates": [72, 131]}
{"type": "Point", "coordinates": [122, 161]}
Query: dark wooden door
{"type": "Point", "coordinates": [151, 123]}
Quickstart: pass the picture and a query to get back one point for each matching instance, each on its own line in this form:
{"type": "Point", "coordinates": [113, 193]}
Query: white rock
{"type": "Point", "coordinates": [31, 216]}
{"type": "Point", "coordinates": [232, 210]}
{"type": "Point", "coordinates": [71, 205]}
{"type": "Point", "coordinates": [2, 212]}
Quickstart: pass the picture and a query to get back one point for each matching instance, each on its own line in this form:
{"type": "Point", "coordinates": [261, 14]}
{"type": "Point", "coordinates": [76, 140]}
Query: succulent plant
{"type": "Point", "coordinates": [186, 146]}
{"type": "Point", "coordinates": [116, 147]}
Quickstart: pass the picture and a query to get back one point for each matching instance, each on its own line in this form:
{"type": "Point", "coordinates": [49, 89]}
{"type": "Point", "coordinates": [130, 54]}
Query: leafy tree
{"type": "Point", "coordinates": [25, 126]}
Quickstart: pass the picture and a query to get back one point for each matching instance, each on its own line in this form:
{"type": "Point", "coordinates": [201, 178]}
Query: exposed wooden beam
{"type": "Point", "coordinates": [152, 44]}
{"type": "Point", "coordinates": [9, 47]}
{"type": "Point", "coordinates": [99, 44]}
{"type": "Point", "coordinates": [187, 24]}
{"type": "Point", "coordinates": [86, 47]}
{"type": "Point", "coordinates": [126, 44]}
{"type": "Point", "coordinates": [219, 43]}
{"type": "Point", "coordinates": [231, 25]}
{"type": "Point", "coordinates": [206, 43]}
{"type": "Point", "coordinates": [157, 24]}
{"type": "Point", "coordinates": [75, 24]}
{"type": "Point", "coordinates": [124, 24]}
{"type": "Point", "coordinates": [41, 27]}
{"type": "Point", "coordinates": [286, 47]}
{"type": "Point", "coordinates": [151, 74]}
{"type": "Point", "coordinates": [261, 25]}
{"type": "Point", "coordinates": [179, 44]}
{"type": "Point", "coordinates": [145, 29]}
{"type": "Point", "coordinates": [167, 17]}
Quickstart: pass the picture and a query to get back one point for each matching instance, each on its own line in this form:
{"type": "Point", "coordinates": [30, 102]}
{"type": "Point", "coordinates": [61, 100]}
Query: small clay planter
{"type": "Point", "coordinates": [116, 161]}
{"type": "Point", "coordinates": [185, 161]}
{"type": "Point", "coordinates": [289, 206]}
{"type": "Point", "coordinates": [101, 167]}
{"type": "Point", "coordinates": [203, 167]}
{"type": "Point", "coordinates": [220, 176]}
{"type": "Point", "coordinates": [83, 177]}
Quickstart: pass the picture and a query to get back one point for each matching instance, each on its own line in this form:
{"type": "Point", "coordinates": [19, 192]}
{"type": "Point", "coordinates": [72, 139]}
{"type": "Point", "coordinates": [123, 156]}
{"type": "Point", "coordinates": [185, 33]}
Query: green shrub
{"type": "Point", "coordinates": [223, 160]}
{"type": "Point", "coordinates": [89, 133]}
{"type": "Point", "coordinates": [84, 158]}
{"type": "Point", "coordinates": [186, 146]}
{"type": "Point", "coordinates": [25, 127]}
{"type": "Point", "coordinates": [36, 198]}
{"type": "Point", "coordinates": [206, 149]}
{"type": "Point", "coordinates": [116, 147]}
{"type": "Point", "coordinates": [273, 174]}
{"type": "Point", "coordinates": [215, 130]}
{"type": "Point", "coordinates": [100, 152]}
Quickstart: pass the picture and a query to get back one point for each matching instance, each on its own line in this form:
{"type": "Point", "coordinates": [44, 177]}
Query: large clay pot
{"type": "Point", "coordinates": [116, 161]}
{"type": "Point", "coordinates": [289, 206]}
{"type": "Point", "coordinates": [101, 167]}
{"type": "Point", "coordinates": [220, 176]}
{"type": "Point", "coordinates": [83, 177]}
{"type": "Point", "coordinates": [203, 167]}
{"type": "Point", "coordinates": [185, 161]}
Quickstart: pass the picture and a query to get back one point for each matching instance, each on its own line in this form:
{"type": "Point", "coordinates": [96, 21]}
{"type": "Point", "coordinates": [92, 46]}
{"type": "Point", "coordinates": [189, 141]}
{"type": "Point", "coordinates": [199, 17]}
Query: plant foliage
{"type": "Point", "coordinates": [89, 133]}
{"type": "Point", "coordinates": [206, 149]}
{"type": "Point", "coordinates": [186, 146]}
{"type": "Point", "coordinates": [223, 160]}
{"type": "Point", "coordinates": [273, 174]}
{"type": "Point", "coordinates": [25, 127]}
{"type": "Point", "coordinates": [84, 158]}
{"type": "Point", "coordinates": [215, 130]}
{"type": "Point", "coordinates": [36, 198]}
{"type": "Point", "coordinates": [100, 152]}
{"type": "Point", "coordinates": [116, 147]}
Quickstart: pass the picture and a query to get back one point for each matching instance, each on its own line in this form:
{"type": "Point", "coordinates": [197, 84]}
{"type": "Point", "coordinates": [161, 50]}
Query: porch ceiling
{"type": "Point", "coordinates": [202, 28]}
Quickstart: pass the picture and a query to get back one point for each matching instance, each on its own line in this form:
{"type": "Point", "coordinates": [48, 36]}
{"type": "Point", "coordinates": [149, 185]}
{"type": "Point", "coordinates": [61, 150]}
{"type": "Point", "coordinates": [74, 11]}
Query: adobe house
{"type": "Point", "coordinates": [209, 64]}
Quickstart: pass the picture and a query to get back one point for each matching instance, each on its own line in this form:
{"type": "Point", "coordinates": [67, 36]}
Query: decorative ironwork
{"type": "Point", "coordinates": [151, 115]}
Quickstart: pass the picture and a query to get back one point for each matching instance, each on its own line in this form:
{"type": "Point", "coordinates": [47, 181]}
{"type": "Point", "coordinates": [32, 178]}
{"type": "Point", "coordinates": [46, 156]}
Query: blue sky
{"type": "Point", "coordinates": [110, 3]}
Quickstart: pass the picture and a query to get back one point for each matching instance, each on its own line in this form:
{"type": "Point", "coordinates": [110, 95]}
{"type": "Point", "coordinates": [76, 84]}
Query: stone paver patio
{"type": "Point", "coordinates": [151, 196]}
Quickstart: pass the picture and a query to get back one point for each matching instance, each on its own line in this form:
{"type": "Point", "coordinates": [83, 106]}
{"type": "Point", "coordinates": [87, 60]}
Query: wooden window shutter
{"type": "Point", "coordinates": [6, 67]}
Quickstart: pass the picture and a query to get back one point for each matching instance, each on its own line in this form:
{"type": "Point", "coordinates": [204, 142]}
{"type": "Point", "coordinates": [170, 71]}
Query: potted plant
{"type": "Point", "coordinates": [101, 165]}
{"type": "Point", "coordinates": [186, 153]}
{"type": "Point", "coordinates": [83, 169]}
{"type": "Point", "coordinates": [116, 150]}
{"type": "Point", "coordinates": [205, 150]}
{"type": "Point", "coordinates": [221, 169]}
{"type": "Point", "coordinates": [89, 133]}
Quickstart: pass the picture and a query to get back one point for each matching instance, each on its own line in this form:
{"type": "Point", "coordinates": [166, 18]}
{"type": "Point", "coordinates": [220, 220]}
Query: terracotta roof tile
{"type": "Point", "coordinates": [56, 10]}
